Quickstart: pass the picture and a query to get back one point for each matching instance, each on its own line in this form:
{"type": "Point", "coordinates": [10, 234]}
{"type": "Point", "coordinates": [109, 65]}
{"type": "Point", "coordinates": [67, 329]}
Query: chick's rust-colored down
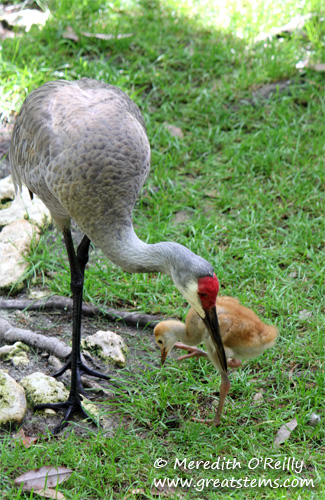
{"type": "Point", "coordinates": [243, 334]}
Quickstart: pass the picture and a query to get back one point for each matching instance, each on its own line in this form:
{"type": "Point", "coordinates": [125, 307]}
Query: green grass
{"type": "Point", "coordinates": [249, 174]}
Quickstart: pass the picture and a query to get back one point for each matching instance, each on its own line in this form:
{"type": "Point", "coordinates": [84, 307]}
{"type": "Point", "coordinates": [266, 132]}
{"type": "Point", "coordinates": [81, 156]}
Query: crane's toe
{"type": "Point", "coordinates": [73, 404]}
{"type": "Point", "coordinates": [82, 369]}
{"type": "Point", "coordinates": [69, 408]}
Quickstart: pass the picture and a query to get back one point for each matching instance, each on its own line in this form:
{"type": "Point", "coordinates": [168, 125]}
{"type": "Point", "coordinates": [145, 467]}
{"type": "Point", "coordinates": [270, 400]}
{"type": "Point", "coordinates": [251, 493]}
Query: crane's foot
{"type": "Point", "coordinates": [82, 369]}
{"type": "Point", "coordinates": [69, 409]}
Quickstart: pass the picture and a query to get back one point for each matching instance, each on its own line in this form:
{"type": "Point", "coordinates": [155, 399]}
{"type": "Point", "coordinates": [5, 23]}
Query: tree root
{"type": "Point", "coordinates": [65, 303]}
{"type": "Point", "coordinates": [11, 334]}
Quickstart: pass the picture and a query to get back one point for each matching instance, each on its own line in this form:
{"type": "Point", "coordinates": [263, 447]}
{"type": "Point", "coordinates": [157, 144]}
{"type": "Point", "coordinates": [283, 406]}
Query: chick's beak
{"type": "Point", "coordinates": [163, 356]}
{"type": "Point", "coordinates": [212, 324]}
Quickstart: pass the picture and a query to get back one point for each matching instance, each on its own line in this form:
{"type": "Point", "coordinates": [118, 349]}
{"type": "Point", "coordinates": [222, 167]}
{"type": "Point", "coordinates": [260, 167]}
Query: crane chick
{"type": "Point", "coordinates": [243, 334]}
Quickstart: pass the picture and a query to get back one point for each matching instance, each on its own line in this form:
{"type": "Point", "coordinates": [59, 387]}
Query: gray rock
{"type": "Point", "coordinates": [13, 403]}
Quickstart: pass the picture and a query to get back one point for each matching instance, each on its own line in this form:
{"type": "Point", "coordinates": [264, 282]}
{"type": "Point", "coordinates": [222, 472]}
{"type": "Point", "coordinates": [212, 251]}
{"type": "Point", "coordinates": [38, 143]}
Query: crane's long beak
{"type": "Point", "coordinates": [212, 324]}
{"type": "Point", "coordinates": [163, 356]}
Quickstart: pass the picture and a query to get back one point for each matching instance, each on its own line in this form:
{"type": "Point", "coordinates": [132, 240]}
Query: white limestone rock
{"type": "Point", "coordinates": [41, 388]}
{"type": "Point", "coordinates": [97, 414]}
{"type": "Point", "coordinates": [15, 240]}
{"type": "Point", "coordinates": [22, 207]}
{"type": "Point", "coordinates": [13, 403]}
{"type": "Point", "coordinates": [25, 18]}
{"type": "Point", "coordinates": [108, 346]}
{"type": "Point", "coordinates": [7, 189]}
{"type": "Point", "coordinates": [16, 352]}
{"type": "Point", "coordinates": [314, 419]}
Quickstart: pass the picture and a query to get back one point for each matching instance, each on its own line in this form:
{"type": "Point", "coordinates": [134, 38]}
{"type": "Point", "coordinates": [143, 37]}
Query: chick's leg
{"type": "Point", "coordinates": [233, 363]}
{"type": "Point", "coordinates": [194, 352]}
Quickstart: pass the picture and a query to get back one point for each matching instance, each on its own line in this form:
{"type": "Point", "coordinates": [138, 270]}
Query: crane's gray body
{"type": "Point", "coordinates": [82, 147]}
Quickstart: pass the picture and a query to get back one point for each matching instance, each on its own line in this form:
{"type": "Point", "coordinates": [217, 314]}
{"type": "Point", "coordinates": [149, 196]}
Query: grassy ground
{"type": "Point", "coordinates": [242, 188]}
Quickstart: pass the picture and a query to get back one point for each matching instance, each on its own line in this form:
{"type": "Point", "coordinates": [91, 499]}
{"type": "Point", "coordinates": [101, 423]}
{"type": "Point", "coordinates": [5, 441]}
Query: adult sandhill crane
{"type": "Point", "coordinates": [82, 147]}
{"type": "Point", "coordinates": [243, 334]}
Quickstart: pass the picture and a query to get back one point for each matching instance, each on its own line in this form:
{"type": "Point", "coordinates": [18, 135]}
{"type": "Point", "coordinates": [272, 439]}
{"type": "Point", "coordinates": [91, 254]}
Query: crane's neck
{"type": "Point", "coordinates": [122, 246]}
{"type": "Point", "coordinates": [135, 256]}
{"type": "Point", "coordinates": [212, 353]}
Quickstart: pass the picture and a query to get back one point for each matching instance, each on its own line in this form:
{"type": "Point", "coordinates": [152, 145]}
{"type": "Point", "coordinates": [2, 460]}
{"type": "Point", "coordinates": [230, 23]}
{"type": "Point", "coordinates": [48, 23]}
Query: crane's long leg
{"type": "Point", "coordinates": [78, 368]}
{"type": "Point", "coordinates": [82, 259]}
{"type": "Point", "coordinates": [224, 389]}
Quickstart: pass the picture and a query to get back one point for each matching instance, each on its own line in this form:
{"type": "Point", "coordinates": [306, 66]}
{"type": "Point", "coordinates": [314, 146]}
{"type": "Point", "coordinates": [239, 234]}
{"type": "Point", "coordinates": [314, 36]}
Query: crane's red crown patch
{"type": "Point", "coordinates": [208, 288]}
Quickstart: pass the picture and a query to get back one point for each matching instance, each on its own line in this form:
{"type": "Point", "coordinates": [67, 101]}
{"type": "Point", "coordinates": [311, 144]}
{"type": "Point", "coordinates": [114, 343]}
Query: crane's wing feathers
{"type": "Point", "coordinates": [71, 132]}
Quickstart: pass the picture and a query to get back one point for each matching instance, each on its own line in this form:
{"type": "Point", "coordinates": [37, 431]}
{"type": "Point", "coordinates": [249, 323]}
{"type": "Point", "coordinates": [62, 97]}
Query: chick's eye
{"type": "Point", "coordinates": [159, 341]}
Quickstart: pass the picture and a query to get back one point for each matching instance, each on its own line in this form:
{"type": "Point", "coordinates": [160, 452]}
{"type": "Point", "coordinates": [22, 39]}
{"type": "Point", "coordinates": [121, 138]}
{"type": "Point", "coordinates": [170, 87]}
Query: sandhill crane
{"type": "Point", "coordinates": [82, 147]}
{"type": "Point", "coordinates": [243, 334]}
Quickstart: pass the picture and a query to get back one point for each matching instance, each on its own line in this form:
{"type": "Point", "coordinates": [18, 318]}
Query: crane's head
{"type": "Point", "coordinates": [201, 293]}
{"type": "Point", "coordinates": [167, 333]}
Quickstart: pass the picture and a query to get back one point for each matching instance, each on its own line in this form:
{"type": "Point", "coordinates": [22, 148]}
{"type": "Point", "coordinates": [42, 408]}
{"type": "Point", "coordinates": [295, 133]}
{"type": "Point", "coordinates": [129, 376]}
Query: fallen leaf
{"type": "Point", "coordinates": [292, 370]}
{"type": "Point", "coordinates": [295, 24]}
{"type": "Point", "coordinates": [163, 491]}
{"type": "Point", "coordinates": [181, 216]}
{"type": "Point", "coordinates": [304, 314]}
{"type": "Point", "coordinates": [49, 493]}
{"type": "Point", "coordinates": [319, 67]}
{"type": "Point", "coordinates": [212, 194]}
{"type": "Point", "coordinates": [21, 438]}
{"type": "Point", "coordinates": [258, 397]}
{"type": "Point", "coordinates": [46, 476]}
{"type": "Point", "coordinates": [19, 435]}
{"type": "Point", "coordinates": [136, 491]}
{"type": "Point", "coordinates": [70, 34]}
{"type": "Point", "coordinates": [104, 36]}
{"type": "Point", "coordinates": [174, 131]}
{"type": "Point", "coordinates": [159, 492]}
{"type": "Point", "coordinates": [285, 431]}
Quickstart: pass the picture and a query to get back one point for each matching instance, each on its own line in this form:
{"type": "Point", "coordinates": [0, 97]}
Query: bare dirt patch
{"type": "Point", "coordinates": [142, 354]}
